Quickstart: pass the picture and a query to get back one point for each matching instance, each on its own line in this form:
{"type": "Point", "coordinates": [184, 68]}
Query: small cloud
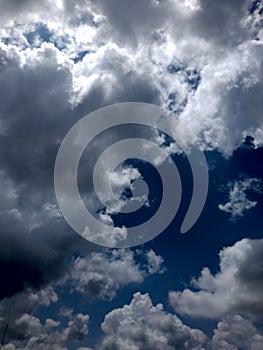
{"type": "Point", "coordinates": [238, 203]}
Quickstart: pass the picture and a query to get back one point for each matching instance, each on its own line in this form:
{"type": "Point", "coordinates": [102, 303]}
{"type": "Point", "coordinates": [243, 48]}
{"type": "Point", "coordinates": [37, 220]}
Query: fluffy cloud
{"type": "Point", "coordinates": [235, 333]}
{"type": "Point", "coordinates": [100, 275]}
{"type": "Point", "coordinates": [140, 325]}
{"type": "Point", "coordinates": [112, 47]}
{"type": "Point", "coordinates": [238, 202]}
{"type": "Point", "coordinates": [236, 288]}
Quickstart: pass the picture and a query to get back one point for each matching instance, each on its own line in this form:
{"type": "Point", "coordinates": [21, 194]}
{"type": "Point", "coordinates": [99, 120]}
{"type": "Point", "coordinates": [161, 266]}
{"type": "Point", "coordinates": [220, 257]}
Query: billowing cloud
{"type": "Point", "coordinates": [141, 325]}
{"type": "Point", "coordinates": [115, 57]}
{"type": "Point", "coordinates": [236, 288]}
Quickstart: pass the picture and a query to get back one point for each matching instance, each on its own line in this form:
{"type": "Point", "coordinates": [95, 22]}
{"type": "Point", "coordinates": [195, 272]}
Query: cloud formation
{"type": "Point", "coordinates": [60, 60]}
{"type": "Point", "coordinates": [236, 288]}
{"type": "Point", "coordinates": [140, 325]}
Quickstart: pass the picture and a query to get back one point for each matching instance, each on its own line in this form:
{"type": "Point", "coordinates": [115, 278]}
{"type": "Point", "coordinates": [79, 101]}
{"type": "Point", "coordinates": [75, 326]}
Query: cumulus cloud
{"type": "Point", "coordinates": [236, 288]}
{"type": "Point", "coordinates": [235, 333]}
{"type": "Point", "coordinates": [238, 203]}
{"type": "Point", "coordinates": [101, 274]}
{"type": "Point", "coordinates": [141, 325]}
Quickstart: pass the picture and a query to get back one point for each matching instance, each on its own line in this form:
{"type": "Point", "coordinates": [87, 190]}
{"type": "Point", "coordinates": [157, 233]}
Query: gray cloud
{"type": "Point", "coordinates": [28, 332]}
{"type": "Point", "coordinates": [34, 101]}
{"type": "Point", "coordinates": [101, 274]}
{"type": "Point", "coordinates": [235, 333]}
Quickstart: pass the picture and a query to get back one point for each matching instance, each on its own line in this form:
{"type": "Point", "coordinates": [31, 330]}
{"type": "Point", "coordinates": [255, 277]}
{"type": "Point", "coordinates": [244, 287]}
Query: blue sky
{"type": "Point", "coordinates": [200, 61]}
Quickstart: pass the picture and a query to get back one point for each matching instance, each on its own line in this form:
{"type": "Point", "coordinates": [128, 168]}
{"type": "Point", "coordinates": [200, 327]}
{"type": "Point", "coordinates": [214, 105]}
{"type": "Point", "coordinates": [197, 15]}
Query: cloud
{"type": "Point", "coordinates": [236, 288]}
{"type": "Point", "coordinates": [235, 333]}
{"type": "Point", "coordinates": [119, 59]}
{"type": "Point", "coordinates": [28, 332]}
{"type": "Point", "coordinates": [33, 115]}
{"type": "Point", "coordinates": [140, 325]}
{"type": "Point", "coordinates": [60, 60]}
{"type": "Point", "coordinates": [36, 112]}
{"type": "Point", "coordinates": [98, 275]}
{"type": "Point", "coordinates": [101, 274]}
{"type": "Point", "coordinates": [238, 203]}
{"type": "Point", "coordinates": [26, 302]}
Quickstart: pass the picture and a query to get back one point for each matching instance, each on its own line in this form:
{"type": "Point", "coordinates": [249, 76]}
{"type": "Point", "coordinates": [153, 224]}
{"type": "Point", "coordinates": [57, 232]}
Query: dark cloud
{"type": "Point", "coordinates": [33, 259]}
{"type": "Point", "coordinates": [28, 332]}
{"type": "Point", "coordinates": [35, 114]}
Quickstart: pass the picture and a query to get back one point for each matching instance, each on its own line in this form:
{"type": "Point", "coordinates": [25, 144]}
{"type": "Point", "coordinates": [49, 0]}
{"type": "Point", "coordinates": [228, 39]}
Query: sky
{"type": "Point", "coordinates": [63, 62]}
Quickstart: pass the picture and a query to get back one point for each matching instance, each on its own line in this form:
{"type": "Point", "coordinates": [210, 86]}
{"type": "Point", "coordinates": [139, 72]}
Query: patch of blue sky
{"type": "Point", "coordinates": [41, 32]}
{"type": "Point", "coordinates": [173, 104]}
{"type": "Point", "coordinates": [192, 76]}
{"type": "Point", "coordinates": [254, 6]}
{"type": "Point", "coordinates": [79, 57]}
{"type": "Point", "coordinates": [175, 68]}
{"type": "Point", "coordinates": [6, 41]}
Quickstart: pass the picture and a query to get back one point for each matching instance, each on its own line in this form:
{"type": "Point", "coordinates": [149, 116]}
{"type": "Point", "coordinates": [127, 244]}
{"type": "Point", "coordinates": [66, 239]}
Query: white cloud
{"type": "Point", "coordinates": [109, 237]}
{"type": "Point", "coordinates": [238, 203]}
{"type": "Point", "coordinates": [236, 288]}
{"type": "Point", "coordinates": [140, 325]}
{"type": "Point", "coordinates": [155, 262]}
